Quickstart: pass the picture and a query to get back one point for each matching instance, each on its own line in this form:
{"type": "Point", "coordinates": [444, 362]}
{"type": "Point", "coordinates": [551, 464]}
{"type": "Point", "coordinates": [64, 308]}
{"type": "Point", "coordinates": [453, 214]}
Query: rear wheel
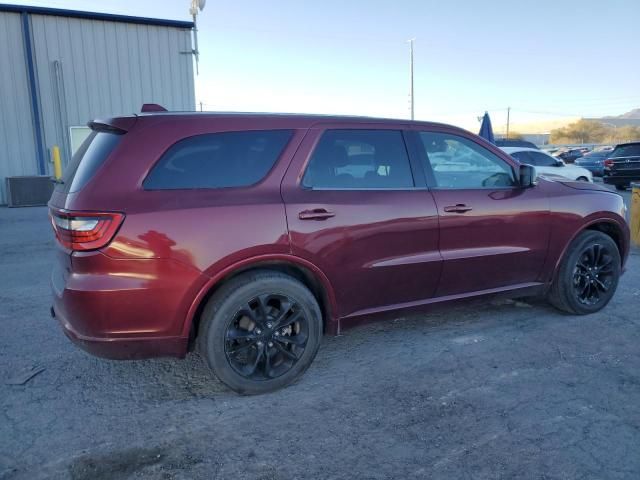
{"type": "Point", "coordinates": [588, 274]}
{"type": "Point", "coordinates": [260, 332]}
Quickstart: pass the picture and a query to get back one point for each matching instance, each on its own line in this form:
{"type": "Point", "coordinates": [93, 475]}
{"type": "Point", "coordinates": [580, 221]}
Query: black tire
{"type": "Point", "coordinates": [582, 179]}
{"type": "Point", "coordinates": [588, 275]}
{"type": "Point", "coordinates": [621, 187]}
{"type": "Point", "coordinates": [235, 340]}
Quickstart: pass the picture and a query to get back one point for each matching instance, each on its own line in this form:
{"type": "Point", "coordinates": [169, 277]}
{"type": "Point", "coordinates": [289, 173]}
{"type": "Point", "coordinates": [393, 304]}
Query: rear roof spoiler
{"type": "Point", "coordinates": [117, 125]}
{"type": "Point", "coordinates": [152, 107]}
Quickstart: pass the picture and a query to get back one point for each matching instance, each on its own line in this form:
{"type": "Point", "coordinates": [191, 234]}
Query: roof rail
{"type": "Point", "coordinates": [152, 107]}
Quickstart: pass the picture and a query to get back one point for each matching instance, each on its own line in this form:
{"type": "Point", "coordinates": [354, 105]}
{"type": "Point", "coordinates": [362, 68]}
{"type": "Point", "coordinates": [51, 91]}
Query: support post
{"type": "Point", "coordinates": [57, 163]}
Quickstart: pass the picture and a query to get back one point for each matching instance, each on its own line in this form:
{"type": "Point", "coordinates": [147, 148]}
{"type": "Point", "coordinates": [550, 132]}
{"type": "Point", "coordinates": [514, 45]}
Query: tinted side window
{"type": "Point", "coordinates": [218, 160]}
{"type": "Point", "coordinates": [359, 159]}
{"type": "Point", "coordinates": [459, 163]}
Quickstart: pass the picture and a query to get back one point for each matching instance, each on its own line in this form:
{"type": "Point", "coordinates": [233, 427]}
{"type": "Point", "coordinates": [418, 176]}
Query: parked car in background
{"type": "Point", "coordinates": [569, 156]}
{"type": "Point", "coordinates": [603, 148]}
{"type": "Point", "coordinates": [623, 165]}
{"type": "Point", "coordinates": [594, 161]}
{"type": "Point", "coordinates": [547, 165]}
{"type": "Point", "coordinates": [248, 236]}
{"type": "Point", "coordinates": [507, 142]}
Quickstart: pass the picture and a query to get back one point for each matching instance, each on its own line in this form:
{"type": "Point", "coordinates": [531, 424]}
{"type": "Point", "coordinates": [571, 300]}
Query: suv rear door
{"type": "Point", "coordinates": [357, 209]}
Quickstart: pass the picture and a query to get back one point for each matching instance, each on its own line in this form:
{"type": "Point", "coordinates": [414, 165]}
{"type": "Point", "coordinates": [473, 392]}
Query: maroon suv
{"type": "Point", "coordinates": [249, 235]}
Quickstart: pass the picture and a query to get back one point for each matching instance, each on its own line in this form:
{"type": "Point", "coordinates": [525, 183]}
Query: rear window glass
{"type": "Point", "coordinates": [543, 160]}
{"type": "Point", "coordinates": [627, 151]}
{"type": "Point", "coordinates": [218, 160]}
{"type": "Point", "coordinates": [523, 157]}
{"type": "Point", "coordinates": [87, 159]}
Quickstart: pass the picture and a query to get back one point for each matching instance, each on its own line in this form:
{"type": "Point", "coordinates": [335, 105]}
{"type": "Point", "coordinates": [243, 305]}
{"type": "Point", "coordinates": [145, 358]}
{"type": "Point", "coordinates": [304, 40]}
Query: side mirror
{"type": "Point", "coordinates": [528, 176]}
{"type": "Point", "coordinates": [560, 163]}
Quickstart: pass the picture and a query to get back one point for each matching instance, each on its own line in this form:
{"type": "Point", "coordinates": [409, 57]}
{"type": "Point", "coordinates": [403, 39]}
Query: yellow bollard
{"type": "Point", "coordinates": [635, 213]}
{"type": "Point", "coordinates": [57, 164]}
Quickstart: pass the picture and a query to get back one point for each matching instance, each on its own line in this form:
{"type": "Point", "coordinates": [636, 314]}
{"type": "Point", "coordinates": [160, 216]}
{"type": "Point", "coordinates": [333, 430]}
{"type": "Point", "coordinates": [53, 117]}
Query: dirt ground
{"type": "Point", "coordinates": [491, 390]}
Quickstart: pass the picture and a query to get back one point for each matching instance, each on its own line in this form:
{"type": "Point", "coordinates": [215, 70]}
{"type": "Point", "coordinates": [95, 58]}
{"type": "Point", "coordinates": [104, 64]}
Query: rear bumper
{"type": "Point", "coordinates": [124, 309]}
{"type": "Point", "coordinates": [124, 348]}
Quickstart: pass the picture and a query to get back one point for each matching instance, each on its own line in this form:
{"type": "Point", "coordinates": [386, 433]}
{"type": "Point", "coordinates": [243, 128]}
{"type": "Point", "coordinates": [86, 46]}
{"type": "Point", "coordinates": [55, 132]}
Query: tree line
{"type": "Point", "coordinates": [592, 131]}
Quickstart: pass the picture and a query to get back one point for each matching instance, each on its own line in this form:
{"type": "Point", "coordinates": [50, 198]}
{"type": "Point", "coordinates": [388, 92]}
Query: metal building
{"type": "Point", "coordinates": [61, 68]}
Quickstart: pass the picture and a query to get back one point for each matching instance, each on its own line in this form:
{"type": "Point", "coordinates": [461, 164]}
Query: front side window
{"type": "Point", "coordinates": [359, 159]}
{"type": "Point", "coordinates": [459, 163]}
{"type": "Point", "coordinates": [218, 160]}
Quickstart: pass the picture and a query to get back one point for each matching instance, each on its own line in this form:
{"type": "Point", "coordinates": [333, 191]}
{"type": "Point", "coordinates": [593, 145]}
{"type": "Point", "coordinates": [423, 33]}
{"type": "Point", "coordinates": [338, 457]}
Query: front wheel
{"type": "Point", "coordinates": [260, 332]}
{"type": "Point", "coordinates": [588, 275]}
{"type": "Point", "coordinates": [621, 188]}
{"type": "Point", "coordinates": [582, 179]}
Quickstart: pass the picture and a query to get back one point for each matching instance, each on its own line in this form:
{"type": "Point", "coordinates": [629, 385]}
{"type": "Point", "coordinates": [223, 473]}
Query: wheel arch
{"type": "Point", "coordinates": [305, 272]}
{"type": "Point", "coordinates": [613, 230]}
{"type": "Point", "coordinates": [609, 227]}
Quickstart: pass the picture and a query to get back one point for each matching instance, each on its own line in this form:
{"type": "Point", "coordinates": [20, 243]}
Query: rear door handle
{"type": "Point", "coordinates": [316, 214]}
{"type": "Point", "coordinates": [459, 208]}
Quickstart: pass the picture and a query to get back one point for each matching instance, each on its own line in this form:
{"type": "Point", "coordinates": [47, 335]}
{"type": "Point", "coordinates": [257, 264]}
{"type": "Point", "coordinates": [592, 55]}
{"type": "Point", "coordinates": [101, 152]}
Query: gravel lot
{"type": "Point", "coordinates": [493, 390]}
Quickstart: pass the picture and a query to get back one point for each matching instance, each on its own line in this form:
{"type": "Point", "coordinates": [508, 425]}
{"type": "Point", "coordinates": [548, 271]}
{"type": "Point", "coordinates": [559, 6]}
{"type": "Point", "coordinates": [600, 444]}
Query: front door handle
{"type": "Point", "coordinates": [459, 208]}
{"type": "Point", "coordinates": [316, 214]}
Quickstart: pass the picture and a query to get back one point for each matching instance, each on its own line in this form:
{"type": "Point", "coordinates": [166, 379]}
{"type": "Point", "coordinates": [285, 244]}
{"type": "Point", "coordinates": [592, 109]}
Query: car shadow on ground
{"type": "Point", "coordinates": [170, 379]}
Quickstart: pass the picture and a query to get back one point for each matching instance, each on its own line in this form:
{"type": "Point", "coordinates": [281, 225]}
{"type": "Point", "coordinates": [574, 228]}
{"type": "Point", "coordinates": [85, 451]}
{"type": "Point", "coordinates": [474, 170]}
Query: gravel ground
{"type": "Point", "coordinates": [492, 390]}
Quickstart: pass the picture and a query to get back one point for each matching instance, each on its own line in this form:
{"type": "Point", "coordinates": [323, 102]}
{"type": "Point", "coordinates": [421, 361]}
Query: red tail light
{"type": "Point", "coordinates": [608, 163]}
{"type": "Point", "coordinates": [85, 230]}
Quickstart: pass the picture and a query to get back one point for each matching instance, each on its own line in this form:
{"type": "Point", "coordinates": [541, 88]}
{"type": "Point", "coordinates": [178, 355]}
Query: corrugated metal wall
{"type": "Point", "coordinates": [89, 69]}
{"type": "Point", "coordinates": [17, 141]}
{"type": "Point", "coordinates": [84, 69]}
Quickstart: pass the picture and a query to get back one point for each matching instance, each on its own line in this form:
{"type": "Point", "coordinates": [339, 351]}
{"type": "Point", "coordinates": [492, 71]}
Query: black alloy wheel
{"type": "Point", "coordinates": [593, 274]}
{"type": "Point", "coordinates": [260, 331]}
{"type": "Point", "coordinates": [588, 275]}
{"type": "Point", "coordinates": [266, 337]}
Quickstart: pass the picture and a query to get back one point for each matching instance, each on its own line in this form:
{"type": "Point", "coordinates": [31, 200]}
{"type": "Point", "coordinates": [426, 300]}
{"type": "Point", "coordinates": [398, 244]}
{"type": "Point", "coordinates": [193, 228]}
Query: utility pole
{"type": "Point", "coordinates": [411, 98]}
{"type": "Point", "coordinates": [508, 115]}
{"type": "Point", "coordinates": [196, 5]}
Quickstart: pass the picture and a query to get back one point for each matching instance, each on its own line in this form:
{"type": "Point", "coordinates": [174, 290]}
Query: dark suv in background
{"type": "Point", "coordinates": [623, 165]}
{"type": "Point", "coordinates": [249, 235]}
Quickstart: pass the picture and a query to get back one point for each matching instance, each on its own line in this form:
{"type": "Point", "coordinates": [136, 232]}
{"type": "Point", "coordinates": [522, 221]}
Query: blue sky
{"type": "Point", "coordinates": [545, 59]}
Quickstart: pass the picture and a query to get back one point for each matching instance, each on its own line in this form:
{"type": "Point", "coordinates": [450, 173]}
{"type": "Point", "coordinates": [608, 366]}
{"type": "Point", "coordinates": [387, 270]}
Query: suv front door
{"type": "Point", "coordinates": [355, 211]}
{"type": "Point", "coordinates": [493, 233]}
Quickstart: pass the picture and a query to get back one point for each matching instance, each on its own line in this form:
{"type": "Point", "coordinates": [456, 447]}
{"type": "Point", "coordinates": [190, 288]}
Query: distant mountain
{"type": "Point", "coordinates": [634, 114]}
